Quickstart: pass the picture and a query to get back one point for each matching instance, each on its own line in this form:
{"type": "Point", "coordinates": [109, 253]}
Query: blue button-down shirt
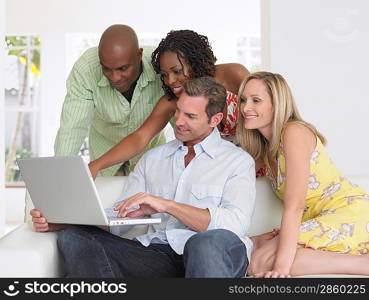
{"type": "Point", "coordinates": [220, 178]}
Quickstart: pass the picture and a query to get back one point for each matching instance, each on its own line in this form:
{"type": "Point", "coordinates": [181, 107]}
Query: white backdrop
{"type": "Point", "coordinates": [322, 47]}
{"type": "Point", "coordinates": [2, 149]}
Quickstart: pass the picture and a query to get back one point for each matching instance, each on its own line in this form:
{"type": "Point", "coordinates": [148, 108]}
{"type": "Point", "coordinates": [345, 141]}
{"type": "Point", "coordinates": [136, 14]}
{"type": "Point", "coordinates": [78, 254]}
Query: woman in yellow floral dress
{"type": "Point", "coordinates": [325, 221]}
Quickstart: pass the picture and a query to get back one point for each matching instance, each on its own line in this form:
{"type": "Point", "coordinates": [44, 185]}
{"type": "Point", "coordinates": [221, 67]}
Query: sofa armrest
{"type": "Point", "coordinates": [26, 253]}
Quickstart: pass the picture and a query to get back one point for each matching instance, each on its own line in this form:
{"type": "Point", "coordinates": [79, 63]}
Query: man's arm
{"type": "Point", "coordinates": [238, 199]}
{"type": "Point", "coordinates": [134, 195]}
{"type": "Point", "coordinates": [196, 218]}
{"type": "Point", "coordinates": [76, 115]}
{"type": "Point", "coordinates": [234, 212]}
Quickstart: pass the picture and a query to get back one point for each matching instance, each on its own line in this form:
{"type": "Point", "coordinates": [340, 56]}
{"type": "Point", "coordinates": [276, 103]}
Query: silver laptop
{"type": "Point", "coordinates": [62, 188]}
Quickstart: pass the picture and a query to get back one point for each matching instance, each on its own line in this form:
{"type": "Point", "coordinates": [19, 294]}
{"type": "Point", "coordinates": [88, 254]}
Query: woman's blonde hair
{"type": "Point", "coordinates": [284, 112]}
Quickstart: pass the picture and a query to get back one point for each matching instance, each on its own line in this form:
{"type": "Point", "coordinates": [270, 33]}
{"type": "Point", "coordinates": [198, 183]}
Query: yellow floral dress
{"type": "Point", "coordinates": [336, 214]}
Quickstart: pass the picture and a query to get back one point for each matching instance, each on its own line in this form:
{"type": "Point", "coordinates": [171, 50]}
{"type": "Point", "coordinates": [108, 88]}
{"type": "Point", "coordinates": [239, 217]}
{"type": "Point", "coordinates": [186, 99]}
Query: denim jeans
{"type": "Point", "coordinates": [91, 252]}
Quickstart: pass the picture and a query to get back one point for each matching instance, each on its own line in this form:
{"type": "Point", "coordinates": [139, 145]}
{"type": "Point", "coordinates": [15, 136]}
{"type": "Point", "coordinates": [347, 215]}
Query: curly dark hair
{"type": "Point", "coordinates": [191, 47]}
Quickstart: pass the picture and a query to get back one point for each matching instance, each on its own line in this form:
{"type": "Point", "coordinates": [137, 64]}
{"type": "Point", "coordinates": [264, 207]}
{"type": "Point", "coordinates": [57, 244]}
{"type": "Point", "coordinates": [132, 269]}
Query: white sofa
{"type": "Point", "coordinates": [26, 253]}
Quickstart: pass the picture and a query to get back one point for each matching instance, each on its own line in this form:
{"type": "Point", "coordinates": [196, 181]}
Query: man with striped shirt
{"type": "Point", "coordinates": [111, 90]}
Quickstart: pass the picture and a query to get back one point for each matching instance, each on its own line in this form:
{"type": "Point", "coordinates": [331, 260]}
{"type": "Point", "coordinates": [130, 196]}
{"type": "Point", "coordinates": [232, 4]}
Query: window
{"type": "Point", "coordinates": [22, 79]}
{"type": "Point", "coordinates": [249, 52]}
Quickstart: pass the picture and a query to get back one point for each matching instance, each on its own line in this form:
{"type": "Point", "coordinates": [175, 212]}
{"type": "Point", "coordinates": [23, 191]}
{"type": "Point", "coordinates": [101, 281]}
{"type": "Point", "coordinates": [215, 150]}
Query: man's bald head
{"type": "Point", "coordinates": [118, 35]}
{"type": "Point", "coordinates": [120, 56]}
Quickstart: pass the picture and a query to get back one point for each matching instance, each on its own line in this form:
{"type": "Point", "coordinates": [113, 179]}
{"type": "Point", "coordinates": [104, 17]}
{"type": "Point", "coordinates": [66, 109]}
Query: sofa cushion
{"type": "Point", "coordinates": [268, 209]}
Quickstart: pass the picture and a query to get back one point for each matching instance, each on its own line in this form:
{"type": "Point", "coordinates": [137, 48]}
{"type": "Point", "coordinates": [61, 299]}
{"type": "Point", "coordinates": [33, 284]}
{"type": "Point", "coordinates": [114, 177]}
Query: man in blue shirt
{"type": "Point", "coordinates": [202, 187]}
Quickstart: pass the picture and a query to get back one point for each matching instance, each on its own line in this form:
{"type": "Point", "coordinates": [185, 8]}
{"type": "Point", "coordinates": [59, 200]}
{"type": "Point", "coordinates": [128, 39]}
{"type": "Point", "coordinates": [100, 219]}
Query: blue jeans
{"type": "Point", "coordinates": [91, 252]}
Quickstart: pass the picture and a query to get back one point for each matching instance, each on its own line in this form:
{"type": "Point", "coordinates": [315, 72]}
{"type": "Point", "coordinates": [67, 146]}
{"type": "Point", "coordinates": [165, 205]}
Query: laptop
{"type": "Point", "coordinates": [62, 188]}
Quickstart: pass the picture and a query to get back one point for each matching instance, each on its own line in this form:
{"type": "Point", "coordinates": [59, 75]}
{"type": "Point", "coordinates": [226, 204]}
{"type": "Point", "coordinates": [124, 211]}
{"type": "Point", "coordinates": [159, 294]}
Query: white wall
{"type": "Point", "coordinates": [2, 148]}
{"type": "Point", "coordinates": [322, 47]}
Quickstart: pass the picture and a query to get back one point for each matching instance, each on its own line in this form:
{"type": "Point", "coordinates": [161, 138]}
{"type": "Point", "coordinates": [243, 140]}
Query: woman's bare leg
{"type": "Point", "coordinates": [307, 261]}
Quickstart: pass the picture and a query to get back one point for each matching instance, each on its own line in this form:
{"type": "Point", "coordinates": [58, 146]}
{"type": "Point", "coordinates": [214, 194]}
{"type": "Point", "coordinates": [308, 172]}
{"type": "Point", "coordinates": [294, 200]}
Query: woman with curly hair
{"type": "Point", "coordinates": [180, 56]}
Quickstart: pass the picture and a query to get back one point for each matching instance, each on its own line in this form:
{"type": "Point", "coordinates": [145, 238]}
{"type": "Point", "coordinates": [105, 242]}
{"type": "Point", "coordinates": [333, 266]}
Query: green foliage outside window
{"type": "Point", "coordinates": [27, 51]}
{"type": "Point", "coordinates": [15, 173]}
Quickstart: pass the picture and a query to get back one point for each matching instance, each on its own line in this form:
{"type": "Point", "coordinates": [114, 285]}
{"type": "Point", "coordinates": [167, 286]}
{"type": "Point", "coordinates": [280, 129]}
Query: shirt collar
{"type": "Point", "coordinates": [148, 74]}
{"type": "Point", "coordinates": [208, 145]}
{"type": "Point", "coordinates": [104, 82]}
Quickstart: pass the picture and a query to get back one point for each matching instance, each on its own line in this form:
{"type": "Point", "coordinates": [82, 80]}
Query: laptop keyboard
{"type": "Point", "coordinates": [110, 212]}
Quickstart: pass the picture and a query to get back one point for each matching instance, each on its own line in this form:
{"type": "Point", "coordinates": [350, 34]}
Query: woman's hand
{"type": "Point", "coordinates": [273, 274]}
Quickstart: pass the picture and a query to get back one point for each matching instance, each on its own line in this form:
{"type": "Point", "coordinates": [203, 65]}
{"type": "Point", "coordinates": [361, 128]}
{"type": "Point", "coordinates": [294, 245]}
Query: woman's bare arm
{"type": "Point", "coordinates": [136, 142]}
{"type": "Point", "coordinates": [231, 76]}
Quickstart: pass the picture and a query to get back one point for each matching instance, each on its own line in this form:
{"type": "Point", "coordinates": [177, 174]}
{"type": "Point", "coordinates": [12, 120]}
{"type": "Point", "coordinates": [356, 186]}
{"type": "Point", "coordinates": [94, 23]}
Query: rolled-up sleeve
{"type": "Point", "coordinates": [237, 204]}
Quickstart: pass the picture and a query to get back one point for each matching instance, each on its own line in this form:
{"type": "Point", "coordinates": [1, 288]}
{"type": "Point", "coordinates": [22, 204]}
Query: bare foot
{"type": "Point", "coordinates": [261, 239]}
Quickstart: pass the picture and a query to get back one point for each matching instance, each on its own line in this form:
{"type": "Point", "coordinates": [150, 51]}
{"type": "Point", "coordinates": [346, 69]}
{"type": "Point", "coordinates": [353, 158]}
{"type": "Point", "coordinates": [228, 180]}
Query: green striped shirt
{"type": "Point", "coordinates": [92, 107]}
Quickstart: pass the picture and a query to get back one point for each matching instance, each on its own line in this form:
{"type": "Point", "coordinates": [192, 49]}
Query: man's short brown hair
{"type": "Point", "coordinates": [208, 87]}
